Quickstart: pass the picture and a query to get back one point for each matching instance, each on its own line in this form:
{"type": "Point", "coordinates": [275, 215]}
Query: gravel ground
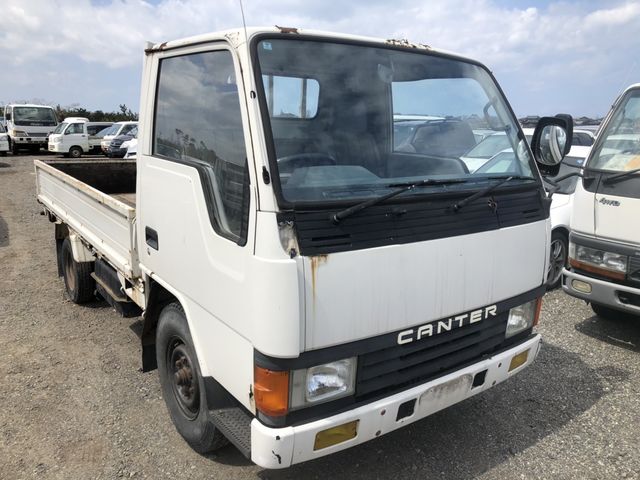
{"type": "Point", "coordinates": [75, 405]}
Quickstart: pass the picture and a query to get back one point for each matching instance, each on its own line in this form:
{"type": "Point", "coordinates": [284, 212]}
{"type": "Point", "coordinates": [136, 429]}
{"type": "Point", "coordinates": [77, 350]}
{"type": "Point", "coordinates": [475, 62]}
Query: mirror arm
{"type": "Point", "coordinates": [554, 183]}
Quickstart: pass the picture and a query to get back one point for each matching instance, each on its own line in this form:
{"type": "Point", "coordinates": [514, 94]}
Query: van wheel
{"type": "Point", "coordinates": [14, 149]}
{"type": "Point", "coordinates": [75, 152]}
{"type": "Point", "coordinates": [78, 282]}
{"type": "Point", "coordinates": [182, 384]}
{"type": "Point", "coordinates": [557, 259]}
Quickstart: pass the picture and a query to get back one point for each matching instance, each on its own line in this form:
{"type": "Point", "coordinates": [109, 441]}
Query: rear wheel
{"type": "Point", "coordinates": [75, 152]}
{"type": "Point", "coordinates": [557, 259]}
{"type": "Point", "coordinates": [182, 384]}
{"type": "Point", "coordinates": [78, 282]}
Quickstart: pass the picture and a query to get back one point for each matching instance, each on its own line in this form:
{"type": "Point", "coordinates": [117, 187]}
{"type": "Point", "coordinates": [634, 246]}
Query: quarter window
{"type": "Point", "coordinates": [198, 122]}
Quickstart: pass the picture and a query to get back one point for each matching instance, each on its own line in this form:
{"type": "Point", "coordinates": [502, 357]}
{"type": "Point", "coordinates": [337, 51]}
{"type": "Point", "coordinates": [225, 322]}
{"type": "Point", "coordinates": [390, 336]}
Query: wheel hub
{"type": "Point", "coordinates": [185, 381]}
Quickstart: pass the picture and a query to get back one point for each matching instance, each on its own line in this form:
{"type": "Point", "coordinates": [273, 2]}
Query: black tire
{"type": "Point", "coordinates": [14, 149]}
{"type": "Point", "coordinates": [75, 152]}
{"type": "Point", "coordinates": [557, 259]}
{"type": "Point", "coordinates": [3, 154]}
{"type": "Point", "coordinates": [182, 384]}
{"type": "Point", "coordinates": [79, 284]}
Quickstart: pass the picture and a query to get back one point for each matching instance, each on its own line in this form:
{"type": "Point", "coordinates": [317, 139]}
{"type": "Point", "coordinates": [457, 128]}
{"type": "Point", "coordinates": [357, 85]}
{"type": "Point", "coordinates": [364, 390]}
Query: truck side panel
{"type": "Point", "coordinates": [104, 222]}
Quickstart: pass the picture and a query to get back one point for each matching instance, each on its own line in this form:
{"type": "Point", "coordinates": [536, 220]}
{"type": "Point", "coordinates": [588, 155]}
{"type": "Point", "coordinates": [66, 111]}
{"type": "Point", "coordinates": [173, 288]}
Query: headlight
{"type": "Point", "coordinates": [523, 317]}
{"type": "Point", "coordinates": [19, 133]}
{"type": "Point", "coordinates": [55, 139]}
{"type": "Point", "coordinates": [598, 261]}
{"type": "Point", "coordinates": [323, 382]}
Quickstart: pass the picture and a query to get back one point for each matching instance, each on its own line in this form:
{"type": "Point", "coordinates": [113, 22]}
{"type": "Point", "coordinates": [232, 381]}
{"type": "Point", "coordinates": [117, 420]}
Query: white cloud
{"type": "Point", "coordinates": [561, 50]}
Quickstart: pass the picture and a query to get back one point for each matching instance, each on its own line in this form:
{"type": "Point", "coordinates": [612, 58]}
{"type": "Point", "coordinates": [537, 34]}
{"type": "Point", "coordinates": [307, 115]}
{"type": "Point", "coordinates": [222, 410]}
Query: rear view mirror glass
{"type": "Point", "coordinates": [552, 144]}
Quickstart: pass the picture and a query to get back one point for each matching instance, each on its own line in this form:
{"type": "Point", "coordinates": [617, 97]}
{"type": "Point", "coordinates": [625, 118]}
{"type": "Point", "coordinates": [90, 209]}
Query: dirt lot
{"type": "Point", "coordinates": [75, 405]}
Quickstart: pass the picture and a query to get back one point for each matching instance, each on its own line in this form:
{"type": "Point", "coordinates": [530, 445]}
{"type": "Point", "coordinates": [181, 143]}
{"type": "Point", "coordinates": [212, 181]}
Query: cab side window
{"type": "Point", "coordinates": [198, 122]}
{"type": "Point", "coordinates": [74, 128]}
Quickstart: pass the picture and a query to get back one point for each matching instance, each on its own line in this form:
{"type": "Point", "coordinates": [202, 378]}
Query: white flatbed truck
{"type": "Point", "coordinates": [304, 286]}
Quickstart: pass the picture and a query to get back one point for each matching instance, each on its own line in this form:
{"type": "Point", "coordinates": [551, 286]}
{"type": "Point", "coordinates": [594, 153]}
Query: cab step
{"type": "Point", "coordinates": [235, 424]}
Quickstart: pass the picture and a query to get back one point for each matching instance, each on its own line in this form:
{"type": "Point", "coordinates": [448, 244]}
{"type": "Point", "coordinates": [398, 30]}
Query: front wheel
{"type": "Point", "coordinates": [182, 384]}
{"type": "Point", "coordinates": [75, 152]}
{"type": "Point", "coordinates": [557, 259]}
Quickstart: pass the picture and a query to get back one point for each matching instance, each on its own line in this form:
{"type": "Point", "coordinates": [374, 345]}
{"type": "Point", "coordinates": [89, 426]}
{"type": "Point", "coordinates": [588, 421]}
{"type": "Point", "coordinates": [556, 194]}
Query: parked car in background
{"type": "Point", "coordinates": [561, 205]}
{"type": "Point", "coordinates": [4, 141]}
{"type": "Point", "coordinates": [118, 128]}
{"type": "Point", "coordinates": [117, 147]}
{"type": "Point", "coordinates": [582, 138]}
{"type": "Point", "coordinates": [486, 149]}
{"type": "Point", "coordinates": [404, 126]}
{"type": "Point", "coordinates": [76, 136]}
{"type": "Point", "coordinates": [132, 148]}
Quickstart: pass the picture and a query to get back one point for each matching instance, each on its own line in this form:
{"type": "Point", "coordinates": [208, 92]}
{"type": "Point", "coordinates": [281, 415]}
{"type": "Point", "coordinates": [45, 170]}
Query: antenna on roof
{"type": "Point", "coordinates": [244, 24]}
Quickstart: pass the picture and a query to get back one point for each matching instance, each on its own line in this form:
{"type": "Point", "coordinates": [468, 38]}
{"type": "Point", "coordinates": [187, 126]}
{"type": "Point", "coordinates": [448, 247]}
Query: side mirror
{"type": "Point", "coordinates": [551, 142]}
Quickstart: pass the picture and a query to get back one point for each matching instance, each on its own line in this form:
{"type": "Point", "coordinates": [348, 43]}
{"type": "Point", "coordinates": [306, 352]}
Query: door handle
{"type": "Point", "coordinates": [151, 237]}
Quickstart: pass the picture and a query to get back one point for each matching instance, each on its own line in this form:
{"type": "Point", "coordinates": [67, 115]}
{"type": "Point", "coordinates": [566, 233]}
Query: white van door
{"type": "Point", "coordinates": [76, 137]}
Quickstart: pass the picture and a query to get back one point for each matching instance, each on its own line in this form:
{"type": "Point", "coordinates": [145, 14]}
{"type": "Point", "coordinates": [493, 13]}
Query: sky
{"type": "Point", "coordinates": [549, 56]}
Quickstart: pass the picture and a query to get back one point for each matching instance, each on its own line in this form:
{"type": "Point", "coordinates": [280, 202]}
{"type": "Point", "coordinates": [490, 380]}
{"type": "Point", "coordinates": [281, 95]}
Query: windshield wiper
{"type": "Point", "coordinates": [620, 176]}
{"type": "Point", "coordinates": [458, 205]}
{"type": "Point", "coordinates": [403, 187]}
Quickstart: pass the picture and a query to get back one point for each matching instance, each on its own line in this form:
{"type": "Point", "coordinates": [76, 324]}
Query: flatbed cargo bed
{"type": "Point", "coordinates": [97, 200]}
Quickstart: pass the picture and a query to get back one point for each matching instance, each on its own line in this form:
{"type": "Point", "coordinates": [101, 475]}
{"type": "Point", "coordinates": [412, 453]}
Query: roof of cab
{"type": "Point", "coordinates": [237, 38]}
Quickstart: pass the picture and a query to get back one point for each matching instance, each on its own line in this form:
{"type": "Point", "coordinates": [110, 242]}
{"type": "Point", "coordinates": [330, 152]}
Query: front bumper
{"type": "Point", "coordinates": [116, 151]}
{"type": "Point", "coordinates": [283, 447]}
{"type": "Point", "coordinates": [30, 141]}
{"type": "Point", "coordinates": [602, 292]}
{"type": "Point", "coordinates": [4, 146]}
{"type": "Point", "coordinates": [55, 147]}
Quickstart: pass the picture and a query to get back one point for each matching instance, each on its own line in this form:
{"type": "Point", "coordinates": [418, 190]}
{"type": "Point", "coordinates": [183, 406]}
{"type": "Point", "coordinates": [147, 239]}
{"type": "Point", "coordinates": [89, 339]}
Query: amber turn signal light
{"type": "Point", "coordinates": [536, 317]}
{"type": "Point", "coordinates": [271, 391]}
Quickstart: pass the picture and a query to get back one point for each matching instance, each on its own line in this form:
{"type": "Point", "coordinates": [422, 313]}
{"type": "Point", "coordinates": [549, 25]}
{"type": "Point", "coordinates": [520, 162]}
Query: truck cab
{"type": "Point", "coordinates": [306, 282]}
{"type": "Point", "coordinates": [604, 249]}
{"type": "Point", "coordinates": [29, 125]}
{"type": "Point", "coordinates": [76, 136]}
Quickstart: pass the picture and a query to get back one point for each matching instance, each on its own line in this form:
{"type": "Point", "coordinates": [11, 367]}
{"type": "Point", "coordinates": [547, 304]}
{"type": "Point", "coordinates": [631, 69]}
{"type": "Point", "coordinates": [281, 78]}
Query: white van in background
{"type": "Point", "coordinates": [118, 128]}
{"type": "Point", "coordinates": [604, 244]}
{"type": "Point", "coordinates": [76, 135]}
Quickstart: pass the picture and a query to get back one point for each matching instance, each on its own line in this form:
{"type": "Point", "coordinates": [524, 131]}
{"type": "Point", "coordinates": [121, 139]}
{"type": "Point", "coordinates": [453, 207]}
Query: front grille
{"type": "Point", "coordinates": [37, 134]}
{"type": "Point", "coordinates": [413, 221]}
{"type": "Point", "coordinates": [401, 366]}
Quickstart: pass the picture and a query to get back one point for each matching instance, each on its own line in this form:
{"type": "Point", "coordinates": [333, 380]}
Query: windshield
{"type": "Point", "coordinates": [34, 116]}
{"type": "Point", "coordinates": [351, 121]}
{"type": "Point", "coordinates": [60, 128]}
{"type": "Point", "coordinates": [111, 130]}
{"type": "Point", "coordinates": [618, 146]}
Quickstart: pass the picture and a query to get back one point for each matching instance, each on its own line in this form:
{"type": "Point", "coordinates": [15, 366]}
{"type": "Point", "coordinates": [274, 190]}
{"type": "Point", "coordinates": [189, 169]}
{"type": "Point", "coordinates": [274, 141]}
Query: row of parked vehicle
{"type": "Point", "coordinates": [76, 136]}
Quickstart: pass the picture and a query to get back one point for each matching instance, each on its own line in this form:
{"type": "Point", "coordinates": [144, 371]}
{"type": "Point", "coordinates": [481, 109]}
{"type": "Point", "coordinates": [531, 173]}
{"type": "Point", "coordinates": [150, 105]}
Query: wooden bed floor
{"type": "Point", "coordinates": [127, 198]}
